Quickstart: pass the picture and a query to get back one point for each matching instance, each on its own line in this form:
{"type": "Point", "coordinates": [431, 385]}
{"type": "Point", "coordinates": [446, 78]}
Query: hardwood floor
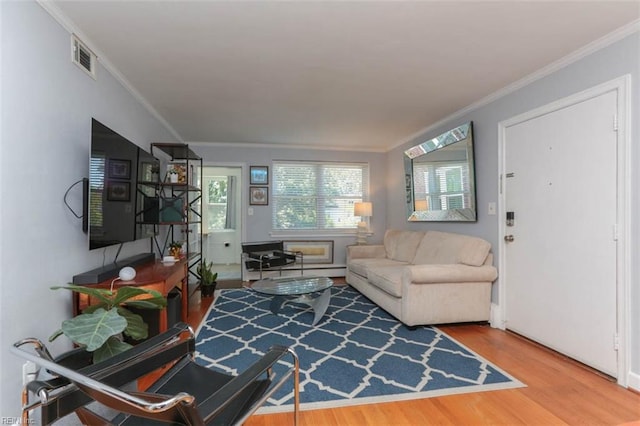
{"type": "Point", "coordinates": [559, 390]}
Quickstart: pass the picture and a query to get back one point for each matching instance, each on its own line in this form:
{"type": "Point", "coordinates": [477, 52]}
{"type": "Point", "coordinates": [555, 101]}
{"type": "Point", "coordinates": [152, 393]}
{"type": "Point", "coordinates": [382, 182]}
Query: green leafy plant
{"type": "Point", "coordinates": [101, 327]}
{"type": "Point", "coordinates": [207, 276]}
{"type": "Point", "coordinates": [207, 279]}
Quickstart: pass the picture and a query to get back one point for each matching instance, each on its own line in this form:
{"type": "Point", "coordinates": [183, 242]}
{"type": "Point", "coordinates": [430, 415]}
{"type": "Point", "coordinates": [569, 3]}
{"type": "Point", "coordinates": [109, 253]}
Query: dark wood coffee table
{"type": "Point", "coordinates": [301, 288]}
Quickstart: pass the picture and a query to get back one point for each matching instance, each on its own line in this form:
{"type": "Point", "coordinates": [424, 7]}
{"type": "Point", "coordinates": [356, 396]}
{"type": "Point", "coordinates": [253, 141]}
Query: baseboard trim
{"type": "Point", "coordinates": [633, 381]}
{"type": "Point", "coordinates": [495, 317]}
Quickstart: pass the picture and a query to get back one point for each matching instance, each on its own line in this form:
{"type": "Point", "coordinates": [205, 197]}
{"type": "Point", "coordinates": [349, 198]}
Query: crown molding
{"type": "Point", "coordinates": [70, 27]}
{"type": "Point", "coordinates": [573, 57]}
{"type": "Point", "coordinates": [259, 145]}
{"type": "Point", "coordinates": [563, 62]}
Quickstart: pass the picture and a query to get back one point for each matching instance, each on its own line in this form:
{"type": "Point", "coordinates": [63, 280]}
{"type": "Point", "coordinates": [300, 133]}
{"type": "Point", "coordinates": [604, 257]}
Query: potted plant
{"type": "Point", "coordinates": [175, 249]}
{"type": "Point", "coordinates": [207, 279]}
{"type": "Point", "coordinates": [101, 327]}
{"type": "Point", "coordinates": [173, 176]}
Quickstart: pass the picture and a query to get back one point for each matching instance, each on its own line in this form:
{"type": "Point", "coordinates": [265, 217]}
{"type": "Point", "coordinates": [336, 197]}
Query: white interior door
{"type": "Point", "coordinates": [560, 269]}
{"type": "Point", "coordinates": [222, 220]}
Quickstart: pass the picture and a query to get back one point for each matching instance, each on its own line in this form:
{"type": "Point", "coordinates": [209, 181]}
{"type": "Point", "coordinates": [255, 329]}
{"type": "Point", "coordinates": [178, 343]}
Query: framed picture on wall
{"type": "Point", "coordinates": [119, 169]}
{"type": "Point", "coordinates": [259, 175]}
{"type": "Point", "coordinates": [320, 251]}
{"type": "Point", "coordinates": [258, 196]}
{"type": "Point", "coordinates": [118, 191]}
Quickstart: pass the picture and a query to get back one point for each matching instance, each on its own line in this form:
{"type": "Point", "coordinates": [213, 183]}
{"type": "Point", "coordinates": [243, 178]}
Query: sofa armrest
{"type": "Point", "coordinates": [366, 252]}
{"type": "Point", "coordinates": [457, 273]}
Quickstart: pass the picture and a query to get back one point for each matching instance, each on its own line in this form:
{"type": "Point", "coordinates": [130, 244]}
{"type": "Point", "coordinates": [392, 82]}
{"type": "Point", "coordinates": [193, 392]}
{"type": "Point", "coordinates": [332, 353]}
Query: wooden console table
{"type": "Point", "coordinates": [152, 276]}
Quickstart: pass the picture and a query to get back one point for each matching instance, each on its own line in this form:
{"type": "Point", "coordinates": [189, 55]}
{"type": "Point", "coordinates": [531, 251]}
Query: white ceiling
{"type": "Point", "coordinates": [361, 74]}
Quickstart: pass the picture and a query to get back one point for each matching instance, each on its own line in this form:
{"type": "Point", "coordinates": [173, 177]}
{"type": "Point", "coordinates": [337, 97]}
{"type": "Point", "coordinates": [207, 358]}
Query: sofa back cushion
{"type": "Point", "coordinates": [446, 248]}
{"type": "Point", "coordinates": [402, 245]}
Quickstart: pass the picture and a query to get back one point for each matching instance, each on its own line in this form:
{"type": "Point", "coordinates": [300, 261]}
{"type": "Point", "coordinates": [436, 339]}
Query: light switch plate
{"type": "Point", "coordinates": [491, 210]}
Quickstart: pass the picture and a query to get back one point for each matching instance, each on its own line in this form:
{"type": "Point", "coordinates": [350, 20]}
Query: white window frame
{"type": "Point", "coordinates": [321, 199]}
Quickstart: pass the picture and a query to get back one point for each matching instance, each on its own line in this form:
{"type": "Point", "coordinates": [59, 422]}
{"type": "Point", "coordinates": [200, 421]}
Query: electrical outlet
{"type": "Point", "coordinates": [29, 372]}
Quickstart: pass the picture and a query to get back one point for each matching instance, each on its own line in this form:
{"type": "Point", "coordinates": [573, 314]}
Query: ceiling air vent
{"type": "Point", "coordinates": [82, 56]}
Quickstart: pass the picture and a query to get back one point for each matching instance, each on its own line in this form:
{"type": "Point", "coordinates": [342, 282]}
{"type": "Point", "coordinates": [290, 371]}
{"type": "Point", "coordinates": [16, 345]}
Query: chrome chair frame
{"type": "Point", "coordinates": [270, 256]}
{"type": "Point", "coordinates": [71, 389]}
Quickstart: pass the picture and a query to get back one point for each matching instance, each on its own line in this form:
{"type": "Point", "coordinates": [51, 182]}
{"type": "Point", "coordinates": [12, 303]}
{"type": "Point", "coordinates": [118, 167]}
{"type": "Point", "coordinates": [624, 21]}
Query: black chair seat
{"type": "Point", "coordinates": [185, 393]}
{"type": "Point", "coordinates": [269, 255]}
{"type": "Point", "coordinates": [201, 382]}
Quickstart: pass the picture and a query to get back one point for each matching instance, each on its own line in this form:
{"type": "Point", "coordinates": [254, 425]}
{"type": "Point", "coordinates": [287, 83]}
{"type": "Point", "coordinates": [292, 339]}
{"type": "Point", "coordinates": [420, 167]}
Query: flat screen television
{"type": "Point", "coordinates": [115, 197]}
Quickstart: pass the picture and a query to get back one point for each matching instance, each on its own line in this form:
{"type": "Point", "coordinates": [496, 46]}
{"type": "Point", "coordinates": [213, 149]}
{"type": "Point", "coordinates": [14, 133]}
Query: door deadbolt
{"type": "Point", "coordinates": [510, 218]}
{"type": "Point", "coordinates": [509, 238]}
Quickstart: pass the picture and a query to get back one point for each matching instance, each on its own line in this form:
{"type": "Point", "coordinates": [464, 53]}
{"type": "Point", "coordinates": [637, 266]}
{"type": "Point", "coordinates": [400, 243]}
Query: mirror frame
{"type": "Point", "coordinates": [460, 134]}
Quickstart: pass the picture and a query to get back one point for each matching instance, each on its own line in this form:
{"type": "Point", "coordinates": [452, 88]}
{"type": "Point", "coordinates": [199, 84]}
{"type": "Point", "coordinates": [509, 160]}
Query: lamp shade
{"type": "Point", "coordinates": [363, 209]}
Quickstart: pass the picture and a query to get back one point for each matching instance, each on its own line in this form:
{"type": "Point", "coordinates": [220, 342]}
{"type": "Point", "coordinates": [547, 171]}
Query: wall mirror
{"type": "Point", "coordinates": [440, 178]}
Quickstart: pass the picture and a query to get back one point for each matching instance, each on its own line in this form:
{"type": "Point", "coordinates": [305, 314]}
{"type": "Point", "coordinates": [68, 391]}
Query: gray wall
{"type": "Point", "coordinates": [258, 226]}
{"type": "Point", "coordinates": [47, 106]}
{"type": "Point", "coordinates": [619, 59]}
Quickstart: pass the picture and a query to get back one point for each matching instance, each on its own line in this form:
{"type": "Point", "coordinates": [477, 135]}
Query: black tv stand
{"type": "Point", "coordinates": [111, 270]}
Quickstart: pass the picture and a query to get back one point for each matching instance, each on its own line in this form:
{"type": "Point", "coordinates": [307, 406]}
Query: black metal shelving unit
{"type": "Point", "coordinates": [176, 205]}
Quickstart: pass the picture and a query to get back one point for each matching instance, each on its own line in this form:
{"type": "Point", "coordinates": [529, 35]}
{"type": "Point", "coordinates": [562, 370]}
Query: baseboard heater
{"type": "Point", "coordinates": [111, 270]}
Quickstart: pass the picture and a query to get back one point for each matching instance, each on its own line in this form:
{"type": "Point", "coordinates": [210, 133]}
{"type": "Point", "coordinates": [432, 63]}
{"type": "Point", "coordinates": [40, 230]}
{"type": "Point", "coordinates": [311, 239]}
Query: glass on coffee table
{"type": "Point", "coordinates": [297, 290]}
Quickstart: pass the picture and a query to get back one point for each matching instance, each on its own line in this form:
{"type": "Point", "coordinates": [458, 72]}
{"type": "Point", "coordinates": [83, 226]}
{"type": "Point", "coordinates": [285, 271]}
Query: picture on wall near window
{"type": "Point", "coordinates": [320, 251]}
{"type": "Point", "coordinates": [259, 175]}
{"type": "Point", "coordinates": [119, 169]}
{"type": "Point", "coordinates": [118, 191]}
{"type": "Point", "coordinates": [258, 196]}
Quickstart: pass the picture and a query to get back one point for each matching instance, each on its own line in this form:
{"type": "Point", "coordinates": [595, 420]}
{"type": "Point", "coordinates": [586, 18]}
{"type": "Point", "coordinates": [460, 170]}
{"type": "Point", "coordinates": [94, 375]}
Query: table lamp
{"type": "Point", "coordinates": [364, 210]}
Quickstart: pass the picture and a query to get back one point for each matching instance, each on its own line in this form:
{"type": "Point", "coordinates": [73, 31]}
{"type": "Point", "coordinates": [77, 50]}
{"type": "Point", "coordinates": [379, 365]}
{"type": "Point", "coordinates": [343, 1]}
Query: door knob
{"type": "Point", "coordinates": [509, 238]}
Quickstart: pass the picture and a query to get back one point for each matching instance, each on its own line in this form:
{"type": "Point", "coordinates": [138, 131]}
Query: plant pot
{"type": "Point", "coordinates": [207, 290]}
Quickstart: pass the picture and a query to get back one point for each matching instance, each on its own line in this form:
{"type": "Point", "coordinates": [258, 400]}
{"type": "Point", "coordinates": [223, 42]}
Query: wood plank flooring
{"type": "Point", "coordinates": [559, 391]}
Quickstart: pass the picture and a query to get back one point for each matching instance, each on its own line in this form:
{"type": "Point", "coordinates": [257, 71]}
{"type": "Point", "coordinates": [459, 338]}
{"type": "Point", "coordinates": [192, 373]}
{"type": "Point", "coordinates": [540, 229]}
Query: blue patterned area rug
{"type": "Point", "coordinates": [357, 354]}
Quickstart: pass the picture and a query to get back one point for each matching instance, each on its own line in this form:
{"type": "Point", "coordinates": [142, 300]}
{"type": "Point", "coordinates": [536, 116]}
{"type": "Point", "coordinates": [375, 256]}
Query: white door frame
{"type": "Point", "coordinates": [622, 87]}
{"type": "Point", "coordinates": [244, 191]}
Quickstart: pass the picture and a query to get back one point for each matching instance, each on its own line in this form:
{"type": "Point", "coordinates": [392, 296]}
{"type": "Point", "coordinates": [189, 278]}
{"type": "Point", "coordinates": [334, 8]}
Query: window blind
{"type": "Point", "coordinates": [317, 195]}
{"type": "Point", "coordinates": [445, 187]}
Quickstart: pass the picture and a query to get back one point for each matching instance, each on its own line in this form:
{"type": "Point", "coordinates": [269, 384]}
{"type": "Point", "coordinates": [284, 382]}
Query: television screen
{"type": "Point", "coordinates": [116, 167]}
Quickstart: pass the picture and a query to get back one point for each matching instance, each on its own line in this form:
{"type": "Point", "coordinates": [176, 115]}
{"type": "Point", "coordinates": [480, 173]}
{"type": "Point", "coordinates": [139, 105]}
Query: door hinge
{"type": "Point", "coordinates": [615, 122]}
{"type": "Point", "coordinates": [616, 342]}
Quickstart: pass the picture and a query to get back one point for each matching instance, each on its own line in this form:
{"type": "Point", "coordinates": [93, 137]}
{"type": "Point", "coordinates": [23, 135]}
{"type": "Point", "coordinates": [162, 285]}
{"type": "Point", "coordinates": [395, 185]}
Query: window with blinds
{"type": "Point", "coordinates": [444, 187]}
{"type": "Point", "coordinates": [317, 196]}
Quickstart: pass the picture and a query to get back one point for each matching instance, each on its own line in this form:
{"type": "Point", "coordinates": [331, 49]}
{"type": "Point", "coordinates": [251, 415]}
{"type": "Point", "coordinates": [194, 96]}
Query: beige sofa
{"type": "Point", "coordinates": [428, 277]}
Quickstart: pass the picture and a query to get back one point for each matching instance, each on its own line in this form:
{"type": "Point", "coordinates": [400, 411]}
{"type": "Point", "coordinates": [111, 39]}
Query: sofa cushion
{"type": "Point", "coordinates": [451, 273]}
{"type": "Point", "coordinates": [387, 278]}
{"type": "Point", "coordinates": [447, 248]}
{"type": "Point", "coordinates": [402, 245]}
{"type": "Point", "coordinates": [361, 266]}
